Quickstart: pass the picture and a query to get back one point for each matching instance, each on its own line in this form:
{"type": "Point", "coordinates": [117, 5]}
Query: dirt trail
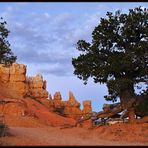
{"type": "Point", "coordinates": [55, 136]}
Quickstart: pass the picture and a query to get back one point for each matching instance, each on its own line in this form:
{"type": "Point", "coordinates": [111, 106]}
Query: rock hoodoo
{"type": "Point", "coordinates": [87, 109]}
{"type": "Point", "coordinates": [13, 79]}
{"type": "Point", "coordinates": [72, 106]}
{"type": "Point", "coordinates": [37, 87]}
{"type": "Point", "coordinates": [15, 83]}
{"type": "Point", "coordinates": [57, 100]}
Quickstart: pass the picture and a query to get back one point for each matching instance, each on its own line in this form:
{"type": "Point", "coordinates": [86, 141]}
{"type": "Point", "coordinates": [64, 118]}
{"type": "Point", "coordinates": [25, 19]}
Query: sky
{"type": "Point", "coordinates": [43, 35]}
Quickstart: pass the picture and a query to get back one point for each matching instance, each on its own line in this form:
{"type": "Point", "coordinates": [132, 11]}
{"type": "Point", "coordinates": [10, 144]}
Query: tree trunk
{"type": "Point", "coordinates": [131, 115]}
{"type": "Point", "coordinates": [127, 98]}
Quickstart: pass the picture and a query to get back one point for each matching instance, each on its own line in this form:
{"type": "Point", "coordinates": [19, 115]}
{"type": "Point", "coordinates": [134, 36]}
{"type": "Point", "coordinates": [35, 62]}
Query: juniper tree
{"type": "Point", "coordinates": [117, 54]}
{"type": "Point", "coordinates": [6, 55]}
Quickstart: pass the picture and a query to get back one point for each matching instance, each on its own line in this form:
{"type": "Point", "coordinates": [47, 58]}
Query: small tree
{"type": "Point", "coordinates": [117, 55]}
{"type": "Point", "coordinates": [6, 55]}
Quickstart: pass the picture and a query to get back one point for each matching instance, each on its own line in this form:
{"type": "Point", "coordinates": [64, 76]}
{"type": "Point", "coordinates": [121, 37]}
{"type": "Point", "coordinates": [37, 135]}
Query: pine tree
{"type": "Point", "coordinates": [117, 55]}
{"type": "Point", "coordinates": [6, 55]}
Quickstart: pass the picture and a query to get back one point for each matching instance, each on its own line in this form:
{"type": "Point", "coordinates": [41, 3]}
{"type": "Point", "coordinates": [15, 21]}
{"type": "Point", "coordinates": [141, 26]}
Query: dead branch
{"type": "Point", "coordinates": [117, 108]}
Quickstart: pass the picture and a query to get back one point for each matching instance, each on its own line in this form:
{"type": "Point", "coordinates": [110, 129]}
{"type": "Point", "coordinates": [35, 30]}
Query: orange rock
{"type": "Point", "coordinates": [72, 107]}
{"type": "Point", "coordinates": [87, 123]}
{"type": "Point", "coordinates": [57, 100]}
{"type": "Point", "coordinates": [14, 82]}
{"type": "Point", "coordinates": [17, 73]}
{"type": "Point", "coordinates": [37, 87]}
{"type": "Point", "coordinates": [13, 107]}
{"type": "Point", "coordinates": [4, 73]}
{"type": "Point", "coordinates": [13, 78]}
{"type": "Point", "coordinates": [87, 107]}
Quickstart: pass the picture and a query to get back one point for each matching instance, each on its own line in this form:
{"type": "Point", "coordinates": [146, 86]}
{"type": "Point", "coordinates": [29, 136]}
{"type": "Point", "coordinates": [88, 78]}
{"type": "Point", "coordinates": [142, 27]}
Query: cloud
{"type": "Point", "coordinates": [58, 70]}
{"type": "Point", "coordinates": [48, 38]}
{"type": "Point", "coordinates": [32, 56]}
{"type": "Point", "coordinates": [44, 38]}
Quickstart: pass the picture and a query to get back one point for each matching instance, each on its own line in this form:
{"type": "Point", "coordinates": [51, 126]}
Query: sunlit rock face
{"type": "Point", "coordinates": [57, 100]}
{"type": "Point", "coordinates": [87, 109]}
{"type": "Point", "coordinates": [37, 87]}
{"type": "Point", "coordinates": [72, 107]}
{"type": "Point", "coordinates": [14, 82]}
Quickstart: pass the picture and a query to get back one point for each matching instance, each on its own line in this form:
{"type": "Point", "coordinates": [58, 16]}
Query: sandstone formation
{"type": "Point", "coordinates": [13, 107]}
{"type": "Point", "coordinates": [57, 101]}
{"type": "Point", "coordinates": [16, 87]}
{"type": "Point", "coordinates": [69, 108]}
{"type": "Point", "coordinates": [72, 107]}
{"type": "Point", "coordinates": [15, 84]}
{"type": "Point", "coordinates": [37, 87]}
{"type": "Point", "coordinates": [13, 79]}
{"type": "Point", "coordinates": [19, 111]}
{"type": "Point", "coordinates": [51, 103]}
{"type": "Point", "coordinates": [87, 109]}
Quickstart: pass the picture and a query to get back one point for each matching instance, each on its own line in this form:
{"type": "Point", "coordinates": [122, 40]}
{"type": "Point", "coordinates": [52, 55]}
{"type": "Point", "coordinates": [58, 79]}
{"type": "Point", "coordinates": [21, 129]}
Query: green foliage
{"type": "Point", "coordinates": [118, 53]}
{"type": "Point", "coordinates": [6, 55]}
{"type": "Point", "coordinates": [142, 108]}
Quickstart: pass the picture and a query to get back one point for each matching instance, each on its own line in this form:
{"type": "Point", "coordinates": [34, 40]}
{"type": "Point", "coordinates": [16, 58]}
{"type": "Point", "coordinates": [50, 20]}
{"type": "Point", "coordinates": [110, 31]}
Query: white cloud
{"type": "Point", "coordinates": [49, 38]}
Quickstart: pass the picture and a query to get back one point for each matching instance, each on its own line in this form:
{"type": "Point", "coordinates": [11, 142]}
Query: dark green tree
{"type": "Point", "coordinates": [117, 55]}
{"type": "Point", "coordinates": [6, 55]}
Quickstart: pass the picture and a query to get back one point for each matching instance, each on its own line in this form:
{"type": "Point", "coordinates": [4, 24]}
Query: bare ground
{"type": "Point", "coordinates": [115, 135]}
{"type": "Point", "coordinates": [44, 130]}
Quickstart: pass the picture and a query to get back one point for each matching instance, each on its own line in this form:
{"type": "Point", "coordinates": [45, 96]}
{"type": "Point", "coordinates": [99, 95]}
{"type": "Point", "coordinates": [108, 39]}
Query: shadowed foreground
{"type": "Point", "coordinates": [119, 134]}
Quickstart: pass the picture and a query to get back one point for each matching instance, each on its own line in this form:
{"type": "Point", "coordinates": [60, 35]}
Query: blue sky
{"type": "Point", "coordinates": [44, 35]}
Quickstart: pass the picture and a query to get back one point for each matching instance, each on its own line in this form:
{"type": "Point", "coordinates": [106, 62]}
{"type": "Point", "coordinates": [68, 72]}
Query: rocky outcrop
{"type": "Point", "coordinates": [69, 108]}
{"type": "Point", "coordinates": [12, 79]}
{"type": "Point", "coordinates": [87, 109]}
{"type": "Point", "coordinates": [72, 107]}
{"type": "Point", "coordinates": [13, 107]}
{"type": "Point", "coordinates": [37, 87]}
{"type": "Point", "coordinates": [15, 84]}
{"type": "Point", "coordinates": [51, 103]}
{"type": "Point", "coordinates": [57, 100]}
